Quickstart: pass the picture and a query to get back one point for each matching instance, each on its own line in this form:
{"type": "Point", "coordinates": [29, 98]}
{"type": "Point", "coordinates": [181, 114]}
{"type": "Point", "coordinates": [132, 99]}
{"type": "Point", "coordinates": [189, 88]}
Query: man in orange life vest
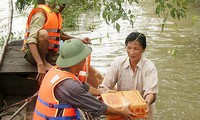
{"type": "Point", "coordinates": [61, 92]}
{"type": "Point", "coordinates": [43, 33]}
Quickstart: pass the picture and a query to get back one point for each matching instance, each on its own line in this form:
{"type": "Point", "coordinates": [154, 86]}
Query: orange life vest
{"type": "Point", "coordinates": [53, 25]}
{"type": "Point", "coordinates": [47, 105]}
{"type": "Point", "coordinates": [83, 74]}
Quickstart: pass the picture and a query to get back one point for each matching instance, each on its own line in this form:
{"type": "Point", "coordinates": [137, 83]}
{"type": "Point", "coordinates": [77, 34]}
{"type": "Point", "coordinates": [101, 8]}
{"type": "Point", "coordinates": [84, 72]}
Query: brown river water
{"type": "Point", "coordinates": [179, 74]}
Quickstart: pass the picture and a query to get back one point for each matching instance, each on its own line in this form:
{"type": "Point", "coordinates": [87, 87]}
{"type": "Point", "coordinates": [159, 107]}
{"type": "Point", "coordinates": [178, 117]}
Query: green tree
{"type": "Point", "coordinates": [112, 10]}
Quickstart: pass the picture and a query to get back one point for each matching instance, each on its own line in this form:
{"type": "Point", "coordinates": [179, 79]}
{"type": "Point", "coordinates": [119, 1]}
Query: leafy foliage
{"type": "Point", "coordinates": [74, 9]}
{"type": "Point", "coordinates": [115, 9]}
{"type": "Point", "coordinates": [175, 8]}
{"type": "Point", "coordinates": [23, 4]}
{"type": "Point", "coordinates": [196, 3]}
{"type": "Point", "coordinates": [112, 10]}
{"type": "Point", "coordinates": [172, 52]}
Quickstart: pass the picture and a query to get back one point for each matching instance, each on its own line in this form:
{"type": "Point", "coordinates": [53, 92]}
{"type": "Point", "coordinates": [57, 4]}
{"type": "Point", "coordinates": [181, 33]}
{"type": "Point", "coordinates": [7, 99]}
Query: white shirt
{"type": "Point", "coordinates": [120, 74]}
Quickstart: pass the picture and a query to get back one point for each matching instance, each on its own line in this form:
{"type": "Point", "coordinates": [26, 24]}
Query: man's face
{"type": "Point", "coordinates": [134, 51]}
{"type": "Point", "coordinates": [81, 64]}
{"type": "Point", "coordinates": [62, 7]}
{"type": "Point", "coordinates": [58, 8]}
{"type": "Point", "coordinates": [78, 67]}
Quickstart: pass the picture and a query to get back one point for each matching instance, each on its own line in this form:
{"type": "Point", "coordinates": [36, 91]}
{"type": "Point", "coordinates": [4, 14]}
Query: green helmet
{"type": "Point", "coordinates": [72, 52]}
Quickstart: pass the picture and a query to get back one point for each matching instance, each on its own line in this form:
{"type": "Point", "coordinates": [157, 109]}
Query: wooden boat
{"type": "Point", "coordinates": [17, 76]}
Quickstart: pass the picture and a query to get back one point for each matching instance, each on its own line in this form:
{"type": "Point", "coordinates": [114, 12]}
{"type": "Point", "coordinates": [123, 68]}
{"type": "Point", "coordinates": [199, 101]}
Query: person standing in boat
{"type": "Point", "coordinates": [134, 72]}
{"type": "Point", "coordinates": [61, 92]}
{"type": "Point", "coordinates": [42, 37]}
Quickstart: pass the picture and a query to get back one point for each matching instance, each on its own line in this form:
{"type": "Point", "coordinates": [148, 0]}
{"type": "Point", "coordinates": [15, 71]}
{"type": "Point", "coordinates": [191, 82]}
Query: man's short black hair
{"type": "Point", "coordinates": [41, 1]}
{"type": "Point", "coordinates": [136, 36]}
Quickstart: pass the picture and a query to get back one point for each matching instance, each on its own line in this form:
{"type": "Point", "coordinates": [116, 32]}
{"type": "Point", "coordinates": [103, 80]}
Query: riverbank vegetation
{"type": "Point", "coordinates": [113, 10]}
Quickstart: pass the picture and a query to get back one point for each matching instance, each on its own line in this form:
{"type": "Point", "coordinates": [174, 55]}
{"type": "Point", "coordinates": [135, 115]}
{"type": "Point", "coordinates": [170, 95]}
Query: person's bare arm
{"type": "Point", "coordinates": [40, 65]}
{"type": "Point", "coordinates": [150, 98]}
{"type": "Point", "coordinates": [64, 37]}
{"type": "Point", "coordinates": [35, 53]}
{"type": "Point", "coordinates": [37, 22]}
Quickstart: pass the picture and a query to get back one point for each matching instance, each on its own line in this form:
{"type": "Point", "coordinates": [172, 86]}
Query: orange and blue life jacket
{"type": "Point", "coordinates": [47, 106]}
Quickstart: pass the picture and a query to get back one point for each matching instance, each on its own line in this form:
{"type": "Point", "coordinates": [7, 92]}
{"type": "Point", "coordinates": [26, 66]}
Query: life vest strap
{"type": "Point", "coordinates": [48, 30]}
{"type": "Point", "coordinates": [57, 118]}
{"type": "Point", "coordinates": [78, 115]}
{"type": "Point", "coordinates": [53, 30]}
{"type": "Point", "coordinates": [53, 105]}
{"type": "Point", "coordinates": [50, 37]}
{"type": "Point", "coordinates": [41, 115]}
{"type": "Point", "coordinates": [25, 38]}
{"type": "Point", "coordinates": [50, 45]}
{"type": "Point", "coordinates": [54, 38]}
{"type": "Point", "coordinates": [54, 45]}
{"type": "Point", "coordinates": [27, 30]}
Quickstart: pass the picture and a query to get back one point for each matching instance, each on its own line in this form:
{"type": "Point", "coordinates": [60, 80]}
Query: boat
{"type": "Point", "coordinates": [17, 81]}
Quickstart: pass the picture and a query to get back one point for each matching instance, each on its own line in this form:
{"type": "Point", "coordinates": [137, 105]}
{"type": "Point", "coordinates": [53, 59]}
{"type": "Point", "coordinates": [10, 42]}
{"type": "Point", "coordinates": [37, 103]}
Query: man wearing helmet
{"type": "Point", "coordinates": [42, 36]}
{"type": "Point", "coordinates": [61, 92]}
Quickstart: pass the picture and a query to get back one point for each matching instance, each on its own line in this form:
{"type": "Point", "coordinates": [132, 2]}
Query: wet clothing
{"type": "Point", "coordinates": [144, 78]}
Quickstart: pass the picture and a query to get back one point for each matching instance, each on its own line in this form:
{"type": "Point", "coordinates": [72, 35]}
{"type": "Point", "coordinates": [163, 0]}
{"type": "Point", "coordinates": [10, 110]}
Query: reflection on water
{"type": "Point", "coordinates": [179, 76]}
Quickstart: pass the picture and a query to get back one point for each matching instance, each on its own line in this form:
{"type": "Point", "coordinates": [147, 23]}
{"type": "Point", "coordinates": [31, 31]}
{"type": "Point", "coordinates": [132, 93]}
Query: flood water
{"type": "Point", "coordinates": [179, 75]}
